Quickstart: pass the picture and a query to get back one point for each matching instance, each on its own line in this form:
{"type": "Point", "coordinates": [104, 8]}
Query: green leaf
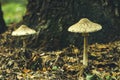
{"type": "Point", "coordinates": [54, 68]}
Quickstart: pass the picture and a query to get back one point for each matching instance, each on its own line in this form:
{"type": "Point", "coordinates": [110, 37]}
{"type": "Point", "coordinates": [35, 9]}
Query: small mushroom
{"type": "Point", "coordinates": [22, 32]}
{"type": "Point", "coordinates": [85, 27]}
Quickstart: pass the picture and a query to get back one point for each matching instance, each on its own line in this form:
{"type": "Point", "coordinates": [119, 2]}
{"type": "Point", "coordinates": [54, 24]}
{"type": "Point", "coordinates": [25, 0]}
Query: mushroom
{"type": "Point", "coordinates": [85, 26]}
{"type": "Point", "coordinates": [23, 31]}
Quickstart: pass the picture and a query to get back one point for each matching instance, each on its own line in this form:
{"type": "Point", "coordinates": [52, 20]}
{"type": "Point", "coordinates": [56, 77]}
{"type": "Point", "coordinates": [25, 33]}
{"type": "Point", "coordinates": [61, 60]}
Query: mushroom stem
{"type": "Point", "coordinates": [24, 44]}
{"type": "Point", "coordinates": [85, 55]}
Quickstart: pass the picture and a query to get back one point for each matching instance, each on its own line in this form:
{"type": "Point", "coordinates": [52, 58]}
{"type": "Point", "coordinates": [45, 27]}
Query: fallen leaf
{"type": "Point", "coordinates": [26, 70]}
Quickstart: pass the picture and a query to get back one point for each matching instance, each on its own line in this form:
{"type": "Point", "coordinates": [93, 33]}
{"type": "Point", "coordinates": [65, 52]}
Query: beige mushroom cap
{"type": "Point", "coordinates": [85, 26]}
{"type": "Point", "coordinates": [23, 30]}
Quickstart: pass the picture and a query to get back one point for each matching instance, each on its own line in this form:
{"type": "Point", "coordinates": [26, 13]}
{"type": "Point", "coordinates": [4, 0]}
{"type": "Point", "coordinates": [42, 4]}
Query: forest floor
{"type": "Point", "coordinates": [65, 64]}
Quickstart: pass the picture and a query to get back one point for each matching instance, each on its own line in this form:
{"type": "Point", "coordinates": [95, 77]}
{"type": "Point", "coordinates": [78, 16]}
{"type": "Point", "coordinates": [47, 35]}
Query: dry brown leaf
{"type": "Point", "coordinates": [116, 73]}
{"type": "Point", "coordinates": [26, 70]}
{"type": "Point", "coordinates": [101, 46]}
{"type": "Point", "coordinates": [19, 77]}
{"type": "Point", "coordinates": [100, 69]}
{"type": "Point", "coordinates": [96, 72]}
{"type": "Point", "coordinates": [8, 71]}
{"type": "Point", "coordinates": [34, 58]}
{"type": "Point", "coordinates": [75, 50]}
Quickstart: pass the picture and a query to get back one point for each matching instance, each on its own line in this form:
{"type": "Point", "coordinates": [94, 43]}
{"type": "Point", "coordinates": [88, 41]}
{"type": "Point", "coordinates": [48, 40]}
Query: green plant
{"type": "Point", "coordinates": [13, 12]}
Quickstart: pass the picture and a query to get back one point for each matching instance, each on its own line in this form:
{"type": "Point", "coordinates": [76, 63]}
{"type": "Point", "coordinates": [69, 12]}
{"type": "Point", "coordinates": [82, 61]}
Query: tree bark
{"type": "Point", "coordinates": [53, 17]}
{"type": "Point", "coordinates": [2, 22]}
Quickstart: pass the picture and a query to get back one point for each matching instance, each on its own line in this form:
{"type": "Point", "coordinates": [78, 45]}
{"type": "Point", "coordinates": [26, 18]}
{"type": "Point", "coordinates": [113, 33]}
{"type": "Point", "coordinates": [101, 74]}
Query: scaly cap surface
{"type": "Point", "coordinates": [23, 30]}
{"type": "Point", "coordinates": [85, 26]}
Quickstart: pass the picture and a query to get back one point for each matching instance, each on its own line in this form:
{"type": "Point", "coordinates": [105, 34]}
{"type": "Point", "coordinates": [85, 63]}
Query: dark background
{"type": "Point", "coordinates": [53, 17]}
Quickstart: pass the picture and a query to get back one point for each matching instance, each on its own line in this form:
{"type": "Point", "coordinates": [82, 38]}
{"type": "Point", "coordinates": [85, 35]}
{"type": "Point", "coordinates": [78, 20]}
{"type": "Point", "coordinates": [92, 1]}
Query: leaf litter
{"type": "Point", "coordinates": [65, 64]}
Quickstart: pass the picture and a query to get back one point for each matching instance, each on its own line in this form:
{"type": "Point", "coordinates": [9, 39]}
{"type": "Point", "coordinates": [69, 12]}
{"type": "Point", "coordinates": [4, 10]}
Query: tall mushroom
{"type": "Point", "coordinates": [22, 32]}
{"type": "Point", "coordinates": [85, 26]}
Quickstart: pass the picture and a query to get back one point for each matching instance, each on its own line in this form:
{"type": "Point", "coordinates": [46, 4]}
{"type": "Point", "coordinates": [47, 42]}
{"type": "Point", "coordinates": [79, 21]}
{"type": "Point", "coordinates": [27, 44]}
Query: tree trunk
{"type": "Point", "coordinates": [53, 17]}
{"type": "Point", "coordinates": [2, 23]}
